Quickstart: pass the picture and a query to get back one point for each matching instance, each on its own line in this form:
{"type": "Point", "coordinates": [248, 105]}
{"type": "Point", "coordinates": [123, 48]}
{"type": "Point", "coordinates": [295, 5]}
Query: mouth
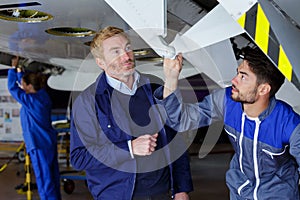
{"type": "Point", "coordinates": [234, 89]}
{"type": "Point", "coordinates": [129, 65]}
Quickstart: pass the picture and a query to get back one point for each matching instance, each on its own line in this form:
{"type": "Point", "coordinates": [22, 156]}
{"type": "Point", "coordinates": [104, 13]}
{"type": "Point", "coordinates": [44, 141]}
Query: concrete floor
{"type": "Point", "coordinates": [208, 178]}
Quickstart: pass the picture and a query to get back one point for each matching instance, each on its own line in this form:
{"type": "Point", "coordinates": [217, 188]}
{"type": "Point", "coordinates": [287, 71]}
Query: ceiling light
{"type": "Point", "coordinates": [27, 16]}
{"type": "Point", "coordinates": [71, 31]}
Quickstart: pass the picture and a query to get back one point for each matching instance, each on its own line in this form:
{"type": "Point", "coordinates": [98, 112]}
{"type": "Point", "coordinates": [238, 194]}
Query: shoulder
{"type": "Point", "coordinates": [91, 90]}
{"type": "Point", "coordinates": [154, 81]}
{"type": "Point", "coordinates": [285, 109]}
{"type": "Point", "coordinates": [11, 73]}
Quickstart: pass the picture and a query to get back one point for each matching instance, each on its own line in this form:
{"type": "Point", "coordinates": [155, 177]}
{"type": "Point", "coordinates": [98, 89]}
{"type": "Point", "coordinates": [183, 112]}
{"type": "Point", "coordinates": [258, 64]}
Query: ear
{"type": "Point", "coordinates": [100, 62]}
{"type": "Point", "coordinates": [264, 89]}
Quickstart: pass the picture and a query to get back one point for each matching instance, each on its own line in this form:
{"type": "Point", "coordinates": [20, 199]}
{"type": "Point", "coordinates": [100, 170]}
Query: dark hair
{"type": "Point", "coordinates": [263, 68]}
{"type": "Point", "coordinates": [37, 80]}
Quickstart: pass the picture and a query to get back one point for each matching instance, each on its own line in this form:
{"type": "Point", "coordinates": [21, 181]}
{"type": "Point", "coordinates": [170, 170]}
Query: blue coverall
{"type": "Point", "coordinates": [39, 136]}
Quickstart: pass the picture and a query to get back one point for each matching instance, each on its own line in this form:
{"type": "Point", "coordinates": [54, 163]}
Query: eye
{"type": "Point", "coordinates": [128, 48]}
{"type": "Point", "coordinates": [116, 51]}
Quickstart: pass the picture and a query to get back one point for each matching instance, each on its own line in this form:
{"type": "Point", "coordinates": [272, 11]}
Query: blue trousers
{"type": "Point", "coordinates": [46, 170]}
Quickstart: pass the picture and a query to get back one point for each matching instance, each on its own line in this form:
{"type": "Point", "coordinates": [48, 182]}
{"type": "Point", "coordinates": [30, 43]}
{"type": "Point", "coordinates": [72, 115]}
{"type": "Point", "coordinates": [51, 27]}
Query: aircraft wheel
{"type": "Point", "coordinates": [69, 186]}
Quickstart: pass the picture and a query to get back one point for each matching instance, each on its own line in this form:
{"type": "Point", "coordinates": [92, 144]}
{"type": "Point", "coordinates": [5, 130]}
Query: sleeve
{"type": "Point", "coordinates": [190, 116]}
{"type": "Point", "coordinates": [129, 142]}
{"type": "Point", "coordinates": [20, 75]}
{"type": "Point", "coordinates": [12, 79]}
{"type": "Point", "coordinates": [295, 145]}
{"type": "Point", "coordinates": [18, 94]}
{"type": "Point", "coordinates": [89, 146]}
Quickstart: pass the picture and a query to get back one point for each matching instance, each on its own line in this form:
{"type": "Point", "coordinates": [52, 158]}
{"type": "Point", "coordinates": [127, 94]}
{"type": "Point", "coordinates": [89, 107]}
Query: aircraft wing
{"type": "Point", "coordinates": [201, 29]}
{"type": "Point", "coordinates": [203, 49]}
{"type": "Point", "coordinates": [202, 45]}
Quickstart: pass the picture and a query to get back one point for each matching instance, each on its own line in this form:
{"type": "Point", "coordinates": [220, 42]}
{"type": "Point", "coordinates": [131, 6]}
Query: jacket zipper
{"type": "Point", "coordinates": [256, 172]}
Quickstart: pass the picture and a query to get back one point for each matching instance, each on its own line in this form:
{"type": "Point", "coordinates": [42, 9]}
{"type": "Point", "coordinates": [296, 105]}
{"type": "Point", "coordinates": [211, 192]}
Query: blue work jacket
{"type": "Point", "coordinates": [35, 115]}
{"type": "Point", "coordinates": [267, 148]}
{"type": "Point", "coordinates": [99, 145]}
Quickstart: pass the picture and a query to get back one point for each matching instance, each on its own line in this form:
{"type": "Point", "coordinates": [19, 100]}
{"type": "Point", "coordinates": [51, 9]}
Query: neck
{"type": "Point", "coordinates": [255, 109]}
{"type": "Point", "coordinates": [128, 80]}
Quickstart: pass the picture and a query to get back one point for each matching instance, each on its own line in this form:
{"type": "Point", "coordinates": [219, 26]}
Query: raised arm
{"type": "Point", "coordinates": [172, 69]}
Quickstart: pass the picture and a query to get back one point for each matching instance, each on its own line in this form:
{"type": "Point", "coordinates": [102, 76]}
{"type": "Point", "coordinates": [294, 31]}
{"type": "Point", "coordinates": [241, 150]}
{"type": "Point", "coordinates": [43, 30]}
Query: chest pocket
{"type": "Point", "coordinates": [111, 130]}
{"type": "Point", "coordinates": [272, 159]}
{"type": "Point", "coordinates": [107, 122]}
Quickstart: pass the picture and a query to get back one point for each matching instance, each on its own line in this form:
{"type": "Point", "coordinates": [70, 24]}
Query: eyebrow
{"type": "Point", "coordinates": [114, 48]}
{"type": "Point", "coordinates": [241, 72]}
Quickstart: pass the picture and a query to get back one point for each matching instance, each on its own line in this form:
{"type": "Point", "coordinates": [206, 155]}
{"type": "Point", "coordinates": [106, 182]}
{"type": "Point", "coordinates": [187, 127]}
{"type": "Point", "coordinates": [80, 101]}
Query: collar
{"type": "Point", "coordinates": [268, 110]}
{"type": "Point", "coordinates": [101, 84]}
{"type": "Point", "coordinates": [122, 87]}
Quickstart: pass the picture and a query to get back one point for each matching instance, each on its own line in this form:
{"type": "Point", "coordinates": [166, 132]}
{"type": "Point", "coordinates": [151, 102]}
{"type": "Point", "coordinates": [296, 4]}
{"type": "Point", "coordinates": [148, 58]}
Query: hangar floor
{"type": "Point", "coordinates": [208, 177]}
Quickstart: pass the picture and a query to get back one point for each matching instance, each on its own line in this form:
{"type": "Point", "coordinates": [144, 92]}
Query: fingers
{"type": "Point", "coordinates": [179, 59]}
{"type": "Point", "coordinates": [152, 143]}
{"type": "Point", "coordinates": [14, 61]}
{"type": "Point", "coordinates": [181, 196]}
{"type": "Point", "coordinates": [174, 64]}
{"type": "Point", "coordinates": [154, 136]}
{"type": "Point", "coordinates": [144, 145]}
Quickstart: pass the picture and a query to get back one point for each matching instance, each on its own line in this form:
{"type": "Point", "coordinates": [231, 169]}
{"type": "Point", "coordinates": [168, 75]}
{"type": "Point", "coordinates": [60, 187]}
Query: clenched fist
{"type": "Point", "coordinates": [144, 145]}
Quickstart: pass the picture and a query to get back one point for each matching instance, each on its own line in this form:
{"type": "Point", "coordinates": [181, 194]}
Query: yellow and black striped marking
{"type": "Point", "coordinates": [258, 28]}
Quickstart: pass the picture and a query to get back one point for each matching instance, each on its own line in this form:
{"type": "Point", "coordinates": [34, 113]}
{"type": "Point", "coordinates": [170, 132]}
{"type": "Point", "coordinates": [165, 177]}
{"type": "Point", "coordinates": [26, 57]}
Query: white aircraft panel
{"type": "Point", "coordinates": [141, 14]}
{"type": "Point", "coordinates": [237, 8]}
{"type": "Point", "coordinates": [214, 27]}
{"type": "Point", "coordinates": [156, 69]}
{"type": "Point", "coordinates": [2, 66]}
{"type": "Point", "coordinates": [148, 19]}
{"type": "Point", "coordinates": [290, 94]}
{"type": "Point", "coordinates": [216, 61]}
{"type": "Point", "coordinates": [72, 80]}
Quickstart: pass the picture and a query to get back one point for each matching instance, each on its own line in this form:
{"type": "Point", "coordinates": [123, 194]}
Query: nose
{"type": "Point", "coordinates": [126, 55]}
{"type": "Point", "coordinates": [234, 80]}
